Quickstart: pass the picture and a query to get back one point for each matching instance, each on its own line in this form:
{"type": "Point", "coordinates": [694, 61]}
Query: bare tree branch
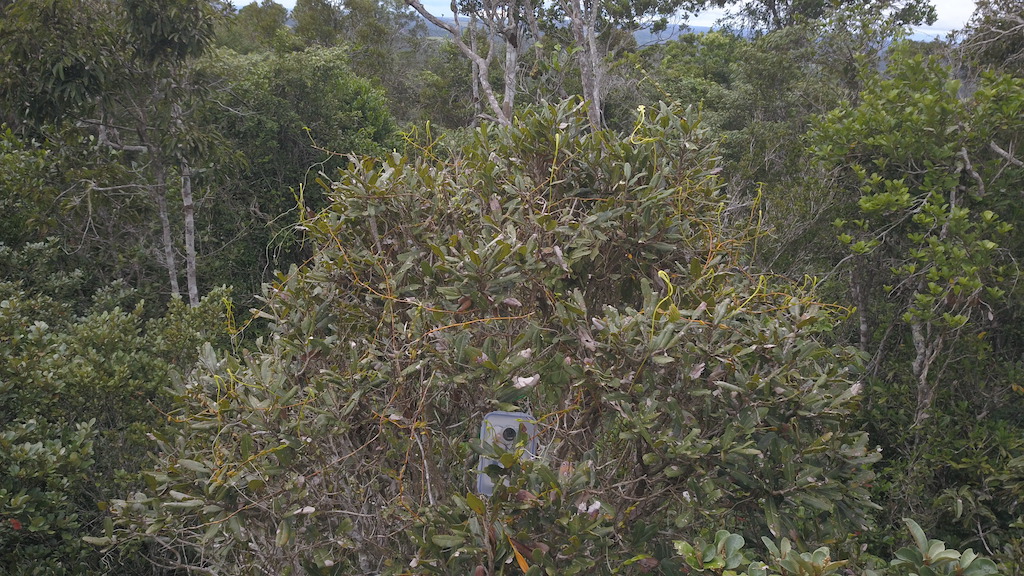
{"type": "Point", "coordinates": [969, 168]}
{"type": "Point", "coordinates": [1009, 157]}
{"type": "Point", "coordinates": [482, 63]}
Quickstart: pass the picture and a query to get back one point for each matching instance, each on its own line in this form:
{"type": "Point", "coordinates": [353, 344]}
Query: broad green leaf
{"type": "Point", "coordinates": [919, 538]}
{"type": "Point", "coordinates": [447, 540]}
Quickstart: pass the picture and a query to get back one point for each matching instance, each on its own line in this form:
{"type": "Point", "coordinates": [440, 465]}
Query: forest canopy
{"type": "Point", "coordinates": [267, 273]}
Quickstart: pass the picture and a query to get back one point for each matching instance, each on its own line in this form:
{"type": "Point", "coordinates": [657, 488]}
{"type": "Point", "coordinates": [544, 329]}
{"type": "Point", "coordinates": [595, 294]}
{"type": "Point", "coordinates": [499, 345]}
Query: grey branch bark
{"type": "Point", "coordinates": [481, 63]}
{"type": "Point", "coordinates": [103, 137]}
{"type": "Point", "coordinates": [927, 348]}
{"type": "Point", "coordinates": [583, 23]}
{"type": "Point", "coordinates": [189, 214]}
{"type": "Point", "coordinates": [969, 168]}
{"type": "Point", "coordinates": [159, 198]}
{"type": "Point", "coordinates": [1006, 155]}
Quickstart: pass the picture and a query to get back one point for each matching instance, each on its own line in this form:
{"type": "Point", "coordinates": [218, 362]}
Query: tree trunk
{"type": "Point", "coordinates": [583, 22]}
{"type": "Point", "coordinates": [474, 73]}
{"type": "Point", "coordinates": [927, 347]}
{"type": "Point", "coordinates": [511, 69]}
{"type": "Point", "coordinates": [188, 212]}
{"type": "Point", "coordinates": [482, 63]}
{"type": "Point", "coordinates": [160, 198]}
{"type": "Point", "coordinates": [596, 110]}
{"type": "Point", "coordinates": [860, 299]}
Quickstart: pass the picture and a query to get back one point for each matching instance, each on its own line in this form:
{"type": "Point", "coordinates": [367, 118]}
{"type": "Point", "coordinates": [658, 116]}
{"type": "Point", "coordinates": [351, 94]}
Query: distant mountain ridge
{"type": "Point", "coordinates": [646, 38]}
{"type": "Point", "coordinates": [643, 37]}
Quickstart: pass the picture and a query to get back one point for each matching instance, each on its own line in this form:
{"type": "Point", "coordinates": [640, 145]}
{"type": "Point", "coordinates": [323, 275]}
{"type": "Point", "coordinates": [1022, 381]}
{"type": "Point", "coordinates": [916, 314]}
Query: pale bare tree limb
{"type": "Point", "coordinates": [481, 64]}
{"type": "Point", "coordinates": [1005, 155]}
{"type": "Point", "coordinates": [969, 168]}
{"type": "Point", "coordinates": [189, 214]}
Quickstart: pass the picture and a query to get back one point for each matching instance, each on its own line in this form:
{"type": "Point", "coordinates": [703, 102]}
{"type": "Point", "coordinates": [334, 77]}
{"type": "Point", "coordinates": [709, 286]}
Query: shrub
{"type": "Point", "coordinates": [592, 278]}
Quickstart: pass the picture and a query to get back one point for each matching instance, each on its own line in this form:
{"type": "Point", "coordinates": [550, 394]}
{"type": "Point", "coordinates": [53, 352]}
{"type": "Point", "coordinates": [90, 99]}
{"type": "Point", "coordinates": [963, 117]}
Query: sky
{"type": "Point", "coordinates": [953, 14]}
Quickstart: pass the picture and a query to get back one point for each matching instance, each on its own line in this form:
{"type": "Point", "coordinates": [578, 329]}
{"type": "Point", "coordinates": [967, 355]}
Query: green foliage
{"type": "Point", "coordinates": [56, 58]}
{"type": "Point", "coordinates": [78, 394]}
{"type": "Point", "coordinates": [930, 226]}
{"type": "Point", "coordinates": [928, 187]}
{"type": "Point", "coordinates": [724, 556]}
{"type": "Point", "coordinates": [318, 22]}
{"type": "Point", "coordinates": [26, 187]}
{"type": "Point", "coordinates": [298, 114]}
{"type": "Point", "coordinates": [382, 39]}
{"type": "Point", "coordinates": [169, 30]}
{"type": "Point", "coordinates": [41, 461]}
{"type": "Point", "coordinates": [932, 558]}
{"type": "Point", "coordinates": [991, 38]}
{"type": "Point", "coordinates": [771, 15]}
{"type": "Point", "coordinates": [760, 96]}
{"type": "Point", "coordinates": [446, 95]}
{"type": "Point", "coordinates": [120, 82]}
{"type": "Point", "coordinates": [65, 194]}
{"type": "Point", "coordinates": [290, 119]}
{"type": "Point", "coordinates": [546, 519]}
{"type": "Point", "coordinates": [257, 27]}
{"type": "Point", "coordinates": [686, 404]}
{"type": "Point", "coordinates": [111, 193]}
{"type": "Point", "coordinates": [582, 275]}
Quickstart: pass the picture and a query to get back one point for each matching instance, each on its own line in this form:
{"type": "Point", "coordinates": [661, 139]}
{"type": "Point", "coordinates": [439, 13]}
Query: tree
{"type": "Point", "coordinates": [516, 26]}
{"type": "Point", "coordinates": [318, 22]}
{"type": "Point", "coordinates": [256, 27]}
{"type": "Point", "coordinates": [385, 43]}
{"type": "Point", "coordinates": [930, 229]}
{"type": "Point", "coordinates": [446, 90]}
{"type": "Point", "coordinates": [26, 188]}
{"type": "Point", "coordinates": [581, 274]}
{"type": "Point", "coordinates": [42, 463]}
{"type": "Point", "coordinates": [504, 25]}
{"type": "Point", "coordinates": [993, 35]}
{"type": "Point", "coordinates": [57, 58]}
{"type": "Point", "coordinates": [81, 387]}
{"type": "Point", "coordinates": [772, 15]}
{"type": "Point", "coordinates": [144, 111]}
{"type": "Point", "coordinates": [924, 194]}
{"type": "Point", "coordinates": [166, 36]}
{"type": "Point", "coordinates": [761, 95]}
{"type": "Point", "coordinates": [292, 119]}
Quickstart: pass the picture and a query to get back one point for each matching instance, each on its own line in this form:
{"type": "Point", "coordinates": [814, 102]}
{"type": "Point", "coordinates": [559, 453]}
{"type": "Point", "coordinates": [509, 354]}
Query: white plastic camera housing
{"type": "Point", "coordinates": [504, 430]}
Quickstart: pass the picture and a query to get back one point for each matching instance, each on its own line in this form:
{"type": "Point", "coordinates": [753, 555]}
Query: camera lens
{"type": "Point", "coordinates": [509, 434]}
